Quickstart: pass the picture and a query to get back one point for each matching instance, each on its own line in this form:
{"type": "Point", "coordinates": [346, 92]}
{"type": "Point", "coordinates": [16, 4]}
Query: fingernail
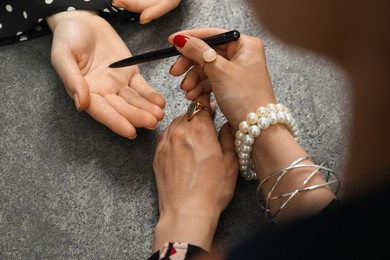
{"type": "Point", "coordinates": [118, 4]}
{"type": "Point", "coordinates": [171, 68]}
{"type": "Point", "coordinates": [182, 82]}
{"type": "Point", "coordinates": [145, 22]}
{"type": "Point", "coordinates": [180, 40]}
{"type": "Point", "coordinates": [76, 102]}
{"type": "Point", "coordinates": [132, 137]}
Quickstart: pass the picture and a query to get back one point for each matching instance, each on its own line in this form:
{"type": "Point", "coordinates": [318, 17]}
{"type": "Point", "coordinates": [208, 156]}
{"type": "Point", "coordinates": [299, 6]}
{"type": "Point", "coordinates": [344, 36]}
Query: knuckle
{"type": "Point", "coordinates": [258, 43]}
{"type": "Point", "coordinates": [196, 43]}
{"type": "Point", "coordinates": [178, 133]}
{"type": "Point", "coordinates": [254, 42]}
{"type": "Point", "coordinates": [202, 124]}
{"type": "Point", "coordinates": [199, 44]}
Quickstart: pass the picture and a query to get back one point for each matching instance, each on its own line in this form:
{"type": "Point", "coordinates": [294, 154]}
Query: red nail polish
{"type": "Point", "coordinates": [180, 40]}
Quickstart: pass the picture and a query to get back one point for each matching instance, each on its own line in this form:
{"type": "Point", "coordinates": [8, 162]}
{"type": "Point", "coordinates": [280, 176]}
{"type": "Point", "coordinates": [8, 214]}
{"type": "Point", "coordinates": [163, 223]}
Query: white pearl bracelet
{"type": "Point", "coordinates": [251, 128]}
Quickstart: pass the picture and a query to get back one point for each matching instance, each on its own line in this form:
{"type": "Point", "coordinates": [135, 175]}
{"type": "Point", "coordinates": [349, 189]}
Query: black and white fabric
{"type": "Point", "coordinates": [21, 20]}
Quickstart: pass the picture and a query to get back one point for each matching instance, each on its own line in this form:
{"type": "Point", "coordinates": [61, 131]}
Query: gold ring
{"type": "Point", "coordinates": [209, 56]}
{"type": "Point", "coordinates": [194, 108]}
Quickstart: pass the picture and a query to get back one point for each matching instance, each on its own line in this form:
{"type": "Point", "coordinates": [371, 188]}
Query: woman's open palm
{"type": "Point", "coordinates": [119, 98]}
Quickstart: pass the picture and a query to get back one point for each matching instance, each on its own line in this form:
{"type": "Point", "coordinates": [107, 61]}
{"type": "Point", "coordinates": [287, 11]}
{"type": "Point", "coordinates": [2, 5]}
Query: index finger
{"type": "Point", "coordinates": [198, 33]}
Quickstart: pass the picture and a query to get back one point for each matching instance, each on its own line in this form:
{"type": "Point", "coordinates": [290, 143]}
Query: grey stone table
{"type": "Point", "coordinates": [72, 189]}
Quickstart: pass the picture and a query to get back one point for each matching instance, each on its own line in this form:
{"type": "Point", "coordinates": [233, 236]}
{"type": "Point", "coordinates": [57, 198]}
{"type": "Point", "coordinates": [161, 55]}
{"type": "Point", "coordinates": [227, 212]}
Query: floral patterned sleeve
{"type": "Point", "coordinates": [176, 251]}
{"type": "Point", "coordinates": [21, 20]}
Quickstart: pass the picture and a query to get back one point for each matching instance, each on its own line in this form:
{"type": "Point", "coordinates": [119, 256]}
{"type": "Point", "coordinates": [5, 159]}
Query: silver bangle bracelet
{"type": "Point", "coordinates": [317, 168]}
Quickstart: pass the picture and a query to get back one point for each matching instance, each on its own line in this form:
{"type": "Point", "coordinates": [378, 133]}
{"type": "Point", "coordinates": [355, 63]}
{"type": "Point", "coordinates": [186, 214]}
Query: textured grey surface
{"type": "Point", "coordinates": [72, 189]}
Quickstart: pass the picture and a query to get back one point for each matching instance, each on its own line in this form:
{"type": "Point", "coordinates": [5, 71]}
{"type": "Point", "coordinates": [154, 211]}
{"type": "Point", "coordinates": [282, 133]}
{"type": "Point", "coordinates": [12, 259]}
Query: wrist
{"type": "Point", "coordinates": [57, 18]}
{"type": "Point", "coordinates": [252, 128]}
{"type": "Point", "coordinates": [192, 227]}
{"type": "Point", "coordinates": [274, 149]}
{"type": "Point", "coordinates": [248, 107]}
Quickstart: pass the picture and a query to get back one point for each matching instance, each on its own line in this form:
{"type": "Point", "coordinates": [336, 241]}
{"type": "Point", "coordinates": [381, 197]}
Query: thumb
{"type": "Point", "coordinates": [152, 13]}
{"type": "Point", "coordinates": [157, 10]}
{"type": "Point", "coordinates": [226, 140]}
{"type": "Point", "coordinates": [67, 69]}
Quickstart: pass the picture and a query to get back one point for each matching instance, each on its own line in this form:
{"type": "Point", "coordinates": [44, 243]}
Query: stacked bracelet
{"type": "Point", "coordinates": [252, 127]}
{"type": "Point", "coordinates": [331, 179]}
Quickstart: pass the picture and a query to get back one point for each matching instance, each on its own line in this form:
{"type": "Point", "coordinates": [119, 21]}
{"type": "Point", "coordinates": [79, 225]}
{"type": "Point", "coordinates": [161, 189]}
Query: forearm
{"type": "Point", "coordinates": [276, 149]}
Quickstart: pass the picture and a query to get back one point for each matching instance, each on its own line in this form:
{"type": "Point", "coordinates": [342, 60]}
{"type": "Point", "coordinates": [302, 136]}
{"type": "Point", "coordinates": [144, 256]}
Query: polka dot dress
{"type": "Point", "coordinates": [22, 20]}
